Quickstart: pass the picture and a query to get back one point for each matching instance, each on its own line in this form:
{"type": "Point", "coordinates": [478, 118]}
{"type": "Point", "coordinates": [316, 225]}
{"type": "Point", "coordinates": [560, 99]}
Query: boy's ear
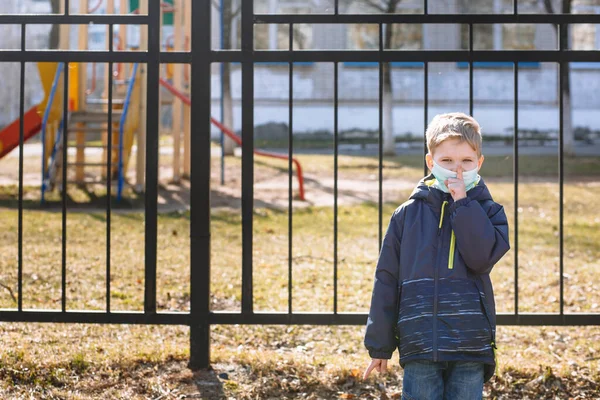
{"type": "Point", "coordinates": [429, 161]}
{"type": "Point", "coordinates": [480, 162]}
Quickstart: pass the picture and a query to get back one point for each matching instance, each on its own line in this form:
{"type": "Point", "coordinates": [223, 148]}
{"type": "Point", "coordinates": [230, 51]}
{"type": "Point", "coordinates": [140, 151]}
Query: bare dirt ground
{"type": "Point", "coordinates": [271, 185]}
{"type": "Point", "coordinates": [271, 189]}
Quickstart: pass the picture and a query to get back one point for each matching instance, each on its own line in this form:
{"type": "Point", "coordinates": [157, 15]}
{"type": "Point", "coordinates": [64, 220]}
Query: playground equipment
{"type": "Point", "coordinates": [88, 114]}
{"type": "Point", "coordinates": [186, 101]}
{"type": "Point", "coordinates": [178, 85]}
{"type": "Point", "coordinates": [32, 119]}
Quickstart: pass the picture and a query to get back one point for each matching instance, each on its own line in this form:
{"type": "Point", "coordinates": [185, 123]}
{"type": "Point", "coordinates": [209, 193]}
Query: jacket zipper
{"type": "Point", "coordinates": [452, 239]}
{"type": "Point", "coordinates": [435, 284]}
{"type": "Point", "coordinates": [485, 310]}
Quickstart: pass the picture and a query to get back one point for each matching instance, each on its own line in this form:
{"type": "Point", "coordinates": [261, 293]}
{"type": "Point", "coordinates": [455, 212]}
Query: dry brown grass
{"type": "Point", "coordinates": [89, 361]}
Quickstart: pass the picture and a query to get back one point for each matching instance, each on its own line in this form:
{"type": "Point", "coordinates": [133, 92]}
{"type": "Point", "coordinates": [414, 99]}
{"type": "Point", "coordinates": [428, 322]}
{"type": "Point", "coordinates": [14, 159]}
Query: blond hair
{"type": "Point", "coordinates": [455, 125]}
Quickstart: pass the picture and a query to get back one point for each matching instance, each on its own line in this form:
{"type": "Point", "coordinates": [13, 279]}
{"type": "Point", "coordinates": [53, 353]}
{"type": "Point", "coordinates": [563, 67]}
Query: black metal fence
{"type": "Point", "coordinates": [201, 57]}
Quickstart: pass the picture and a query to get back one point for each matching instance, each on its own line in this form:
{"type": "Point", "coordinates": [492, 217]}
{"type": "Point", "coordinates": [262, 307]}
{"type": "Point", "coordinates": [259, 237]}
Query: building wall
{"type": "Point", "coordinates": [493, 94]}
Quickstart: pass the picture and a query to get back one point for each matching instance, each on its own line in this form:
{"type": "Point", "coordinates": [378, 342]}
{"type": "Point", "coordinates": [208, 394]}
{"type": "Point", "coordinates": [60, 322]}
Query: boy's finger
{"type": "Point", "coordinates": [368, 371]}
{"type": "Point", "coordinates": [459, 172]}
{"type": "Point", "coordinates": [453, 181]}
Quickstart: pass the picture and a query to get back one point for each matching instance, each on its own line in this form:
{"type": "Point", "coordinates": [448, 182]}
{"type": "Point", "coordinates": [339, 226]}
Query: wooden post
{"type": "Point", "coordinates": [186, 111]}
{"type": "Point", "coordinates": [82, 84]}
{"type": "Point", "coordinates": [124, 9]}
{"type": "Point", "coordinates": [110, 9]}
{"type": "Point", "coordinates": [82, 44]}
{"type": "Point", "coordinates": [160, 99]}
{"type": "Point", "coordinates": [141, 134]}
{"type": "Point", "coordinates": [178, 83]}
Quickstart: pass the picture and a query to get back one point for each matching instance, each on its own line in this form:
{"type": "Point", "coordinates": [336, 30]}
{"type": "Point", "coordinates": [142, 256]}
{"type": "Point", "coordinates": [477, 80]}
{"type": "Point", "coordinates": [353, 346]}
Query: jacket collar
{"type": "Point", "coordinates": [435, 197]}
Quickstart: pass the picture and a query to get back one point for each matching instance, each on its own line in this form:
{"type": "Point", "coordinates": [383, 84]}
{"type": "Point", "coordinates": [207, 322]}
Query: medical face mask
{"type": "Point", "coordinates": [441, 174]}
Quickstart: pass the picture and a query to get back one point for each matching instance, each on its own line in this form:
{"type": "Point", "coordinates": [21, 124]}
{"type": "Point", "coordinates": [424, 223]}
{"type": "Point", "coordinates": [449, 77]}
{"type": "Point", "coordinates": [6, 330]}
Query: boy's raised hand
{"type": "Point", "coordinates": [379, 364]}
{"type": "Point", "coordinates": [456, 186]}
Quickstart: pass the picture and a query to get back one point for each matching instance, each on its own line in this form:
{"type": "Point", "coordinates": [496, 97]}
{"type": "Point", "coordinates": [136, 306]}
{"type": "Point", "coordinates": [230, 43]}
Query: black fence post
{"type": "Point", "coordinates": [200, 186]}
{"type": "Point", "coordinates": [247, 153]}
{"type": "Point", "coordinates": [152, 121]}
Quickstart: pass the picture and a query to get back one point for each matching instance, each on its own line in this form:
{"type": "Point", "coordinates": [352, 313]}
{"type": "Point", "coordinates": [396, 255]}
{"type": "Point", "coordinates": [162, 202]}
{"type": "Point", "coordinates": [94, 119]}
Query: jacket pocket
{"type": "Point", "coordinates": [414, 323]}
{"type": "Point", "coordinates": [485, 308]}
{"type": "Point", "coordinates": [463, 324]}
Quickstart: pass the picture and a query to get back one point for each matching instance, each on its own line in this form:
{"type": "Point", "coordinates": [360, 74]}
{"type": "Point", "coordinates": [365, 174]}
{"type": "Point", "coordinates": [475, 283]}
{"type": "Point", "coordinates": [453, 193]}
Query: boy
{"type": "Point", "coordinates": [432, 297]}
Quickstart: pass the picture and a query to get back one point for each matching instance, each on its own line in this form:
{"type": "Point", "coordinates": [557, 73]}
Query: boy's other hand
{"type": "Point", "coordinates": [456, 186]}
{"type": "Point", "coordinates": [378, 364]}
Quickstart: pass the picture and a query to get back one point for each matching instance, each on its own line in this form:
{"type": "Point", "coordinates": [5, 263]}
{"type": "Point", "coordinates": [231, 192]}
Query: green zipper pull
{"type": "Point", "coordinates": [452, 246]}
{"type": "Point", "coordinates": [442, 218]}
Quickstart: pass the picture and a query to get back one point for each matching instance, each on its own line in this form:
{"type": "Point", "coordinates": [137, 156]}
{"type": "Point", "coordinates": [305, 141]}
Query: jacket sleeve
{"type": "Point", "coordinates": [481, 238]}
{"type": "Point", "coordinates": [380, 333]}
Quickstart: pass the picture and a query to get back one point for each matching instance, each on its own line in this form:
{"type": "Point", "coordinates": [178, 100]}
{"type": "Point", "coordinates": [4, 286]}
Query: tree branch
{"type": "Point", "coordinates": [236, 12]}
{"type": "Point", "coordinates": [376, 5]}
{"type": "Point", "coordinates": [548, 6]}
{"type": "Point", "coordinates": [217, 5]}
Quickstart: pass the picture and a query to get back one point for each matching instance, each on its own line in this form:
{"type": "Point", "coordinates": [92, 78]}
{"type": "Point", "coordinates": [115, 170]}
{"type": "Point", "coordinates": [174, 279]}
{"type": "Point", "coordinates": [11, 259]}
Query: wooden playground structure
{"type": "Point", "coordinates": [126, 76]}
{"type": "Point", "coordinates": [89, 110]}
{"type": "Point", "coordinates": [112, 119]}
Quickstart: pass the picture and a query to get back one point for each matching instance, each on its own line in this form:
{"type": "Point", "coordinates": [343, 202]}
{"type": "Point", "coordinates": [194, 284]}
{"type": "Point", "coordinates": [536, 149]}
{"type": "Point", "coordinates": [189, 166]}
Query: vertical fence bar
{"type": "Point", "coordinates": [290, 150]}
{"type": "Point", "coordinates": [380, 148]}
{"type": "Point", "coordinates": [109, 167]}
{"type": "Point", "coordinates": [425, 97]}
{"type": "Point", "coordinates": [562, 81]}
{"type": "Point", "coordinates": [336, 6]}
{"type": "Point", "coordinates": [222, 87]}
{"type": "Point", "coordinates": [65, 135]}
{"type": "Point", "coordinates": [247, 151]}
{"type": "Point", "coordinates": [152, 124]}
{"type": "Point", "coordinates": [561, 133]}
{"type": "Point", "coordinates": [516, 181]}
{"type": "Point", "coordinates": [470, 69]}
{"type": "Point", "coordinates": [425, 109]}
{"type": "Point", "coordinates": [335, 184]}
{"type": "Point", "coordinates": [21, 155]}
{"type": "Point", "coordinates": [200, 187]}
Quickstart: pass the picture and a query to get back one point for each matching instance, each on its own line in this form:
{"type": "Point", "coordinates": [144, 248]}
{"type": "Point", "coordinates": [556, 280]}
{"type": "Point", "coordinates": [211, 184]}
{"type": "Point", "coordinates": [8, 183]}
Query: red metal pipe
{"type": "Point", "coordinates": [96, 7]}
{"type": "Point", "coordinates": [186, 100]}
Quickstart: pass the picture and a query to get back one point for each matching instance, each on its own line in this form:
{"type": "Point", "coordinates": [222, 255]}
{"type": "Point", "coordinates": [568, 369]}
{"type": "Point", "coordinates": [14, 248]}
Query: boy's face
{"type": "Point", "coordinates": [451, 153]}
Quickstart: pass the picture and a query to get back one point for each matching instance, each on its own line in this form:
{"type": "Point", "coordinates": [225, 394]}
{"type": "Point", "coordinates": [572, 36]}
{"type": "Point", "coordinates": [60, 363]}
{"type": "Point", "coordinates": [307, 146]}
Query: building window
{"type": "Point", "coordinates": [276, 36]}
{"type": "Point", "coordinates": [585, 36]}
{"type": "Point", "coordinates": [496, 36]}
{"type": "Point", "coordinates": [404, 36]}
{"type": "Point", "coordinates": [499, 37]}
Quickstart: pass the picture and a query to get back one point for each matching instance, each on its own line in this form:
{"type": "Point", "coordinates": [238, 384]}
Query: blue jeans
{"type": "Point", "coordinates": [444, 380]}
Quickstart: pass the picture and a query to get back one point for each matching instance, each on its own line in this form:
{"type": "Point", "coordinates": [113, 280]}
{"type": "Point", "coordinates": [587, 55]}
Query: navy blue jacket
{"type": "Point", "coordinates": [432, 297]}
